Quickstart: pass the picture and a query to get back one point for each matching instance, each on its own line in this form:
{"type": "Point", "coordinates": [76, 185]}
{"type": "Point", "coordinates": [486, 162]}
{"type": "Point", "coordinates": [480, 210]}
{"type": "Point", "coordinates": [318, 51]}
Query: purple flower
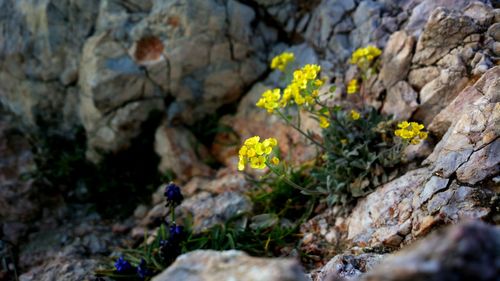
{"type": "Point", "coordinates": [176, 232]}
{"type": "Point", "coordinates": [173, 194]}
{"type": "Point", "coordinates": [142, 270]}
{"type": "Point", "coordinates": [122, 266]}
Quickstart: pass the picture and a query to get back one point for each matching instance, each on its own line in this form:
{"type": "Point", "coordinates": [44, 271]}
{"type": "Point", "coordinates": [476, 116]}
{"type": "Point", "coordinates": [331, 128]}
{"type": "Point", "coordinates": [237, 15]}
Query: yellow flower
{"type": "Point", "coordinates": [323, 122]}
{"type": "Point", "coordinates": [367, 54]}
{"type": "Point", "coordinates": [275, 160]}
{"type": "Point", "coordinates": [343, 141]}
{"type": "Point", "coordinates": [269, 100]}
{"type": "Point", "coordinates": [282, 60]}
{"type": "Point", "coordinates": [352, 87]}
{"type": "Point", "coordinates": [255, 152]}
{"type": "Point", "coordinates": [355, 115]}
{"type": "Point", "coordinates": [411, 131]}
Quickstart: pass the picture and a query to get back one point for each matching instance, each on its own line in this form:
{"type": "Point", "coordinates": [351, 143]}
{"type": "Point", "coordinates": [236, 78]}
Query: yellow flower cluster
{"type": "Point", "coordinates": [304, 86]}
{"type": "Point", "coordinates": [269, 100]}
{"type": "Point", "coordinates": [282, 60]}
{"type": "Point", "coordinates": [257, 153]}
{"type": "Point", "coordinates": [352, 87]}
{"type": "Point", "coordinates": [411, 131]}
{"type": "Point", "coordinates": [367, 54]}
{"type": "Point", "coordinates": [323, 122]}
{"type": "Point", "coordinates": [355, 115]}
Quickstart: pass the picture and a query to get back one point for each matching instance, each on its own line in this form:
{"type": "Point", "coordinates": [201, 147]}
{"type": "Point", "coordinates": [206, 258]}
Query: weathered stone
{"type": "Point", "coordinates": [396, 58]}
{"type": "Point", "coordinates": [482, 164]}
{"type": "Point", "coordinates": [61, 269]}
{"type": "Point", "coordinates": [468, 251]}
{"type": "Point", "coordinates": [438, 93]}
{"type": "Point", "coordinates": [444, 31]}
{"type": "Point", "coordinates": [176, 148]}
{"type": "Point", "coordinates": [472, 130]}
{"type": "Point", "coordinates": [324, 19]}
{"type": "Point", "coordinates": [347, 267]}
{"type": "Point", "coordinates": [485, 90]}
{"type": "Point", "coordinates": [401, 101]}
{"type": "Point", "coordinates": [421, 12]}
{"type": "Point", "coordinates": [40, 45]}
{"type": "Point", "coordinates": [419, 77]}
{"type": "Point", "coordinates": [211, 265]}
{"type": "Point", "coordinates": [482, 13]}
{"type": "Point", "coordinates": [207, 210]}
{"type": "Point", "coordinates": [494, 31]}
{"type": "Point", "coordinates": [411, 206]}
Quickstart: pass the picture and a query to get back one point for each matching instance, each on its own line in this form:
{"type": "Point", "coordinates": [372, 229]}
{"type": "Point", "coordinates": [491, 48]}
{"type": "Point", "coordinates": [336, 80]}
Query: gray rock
{"type": "Point", "coordinates": [494, 31]}
{"type": "Point", "coordinates": [366, 10]}
{"type": "Point", "coordinates": [421, 12]}
{"type": "Point", "coordinates": [61, 269]}
{"type": "Point", "coordinates": [443, 31]}
{"type": "Point", "coordinates": [211, 265]}
{"type": "Point", "coordinates": [35, 70]}
{"type": "Point", "coordinates": [411, 206]}
{"type": "Point", "coordinates": [485, 90]}
{"type": "Point", "coordinates": [468, 251]}
{"type": "Point", "coordinates": [471, 130]}
{"type": "Point", "coordinates": [207, 210]}
{"type": "Point", "coordinates": [347, 267]}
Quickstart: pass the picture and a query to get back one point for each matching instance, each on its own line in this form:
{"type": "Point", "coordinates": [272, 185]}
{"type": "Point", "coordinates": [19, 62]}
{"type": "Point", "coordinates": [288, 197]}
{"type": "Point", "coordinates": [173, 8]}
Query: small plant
{"type": "Point", "coordinates": [358, 151]}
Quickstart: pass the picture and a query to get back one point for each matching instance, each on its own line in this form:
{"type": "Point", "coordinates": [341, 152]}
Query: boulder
{"type": "Point", "coordinates": [468, 251]}
{"type": "Point", "coordinates": [209, 265]}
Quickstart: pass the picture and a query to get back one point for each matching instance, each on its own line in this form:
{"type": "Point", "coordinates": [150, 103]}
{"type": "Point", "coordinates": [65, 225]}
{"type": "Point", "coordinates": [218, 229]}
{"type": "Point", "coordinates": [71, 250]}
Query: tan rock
{"type": "Point", "coordinates": [396, 58]}
{"type": "Point", "coordinates": [401, 101]}
{"type": "Point", "coordinates": [176, 148]}
{"type": "Point", "coordinates": [208, 265]}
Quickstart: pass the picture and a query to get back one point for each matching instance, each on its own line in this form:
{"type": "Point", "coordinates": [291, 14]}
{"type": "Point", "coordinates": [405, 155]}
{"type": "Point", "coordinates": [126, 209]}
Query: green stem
{"type": "Point", "coordinates": [300, 130]}
{"type": "Point", "coordinates": [285, 179]}
{"type": "Point", "coordinates": [172, 214]}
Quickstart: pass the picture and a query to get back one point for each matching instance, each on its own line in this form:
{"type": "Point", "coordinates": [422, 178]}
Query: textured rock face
{"type": "Point", "coordinates": [467, 251]}
{"type": "Point", "coordinates": [61, 269]}
{"type": "Point", "coordinates": [347, 267]}
{"type": "Point", "coordinates": [230, 265]}
{"type": "Point", "coordinates": [198, 54]}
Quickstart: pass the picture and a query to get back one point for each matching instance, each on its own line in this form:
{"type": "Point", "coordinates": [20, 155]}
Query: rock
{"type": "Point", "coordinates": [396, 58]}
{"type": "Point", "coordinates": [411, 206]}
{"type": "Point", "coordinates": [468, 251]}
{"type": "Point", "coordinates": [211, 265]}
{"type": "Point", "coordinates": [444, 31]}
{"type": "Point", "coordinates": [176, 148]}
{"type": "Point", "coordinates": [438, 93]}
{"type": "Point", "coordinates": [366, 10]}
{"type": "Point", "coordinates": [485, 90]}
{"type": "Point", "coordinates": [421, 12]}
{"type": "Point", "coordinates": [207, 210]}
{"type": "Point", "coordinates": [401, 101]}
{"type": "Point", "coordinates": [494, 31]}
{"type": "Point", "coordinates": [61, 269]}
{"type": "Point", "coordinates": [482, 13]}
{"type": "Point", "coordinates": [37, 72]}
{"type": "Point", "coordinates": [481, 165]}
{"type": "Point", "coordinates": [324, 19]}
{"type": "Point", "coordinates": [419, 77]}
{"type": "Point", "coordinates": [473, 130]}
{"type": "Point", "coordinates": [347, 267]}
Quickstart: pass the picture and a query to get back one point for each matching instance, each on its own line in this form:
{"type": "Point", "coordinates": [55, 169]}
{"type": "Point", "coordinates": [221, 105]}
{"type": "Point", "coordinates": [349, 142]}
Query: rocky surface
{"type": "Point", "coordinates": [135, 69]}
{"type": "Point", "coordinates": [231, 265]}
{"type": "Point", "coordinates": [468, 251]}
